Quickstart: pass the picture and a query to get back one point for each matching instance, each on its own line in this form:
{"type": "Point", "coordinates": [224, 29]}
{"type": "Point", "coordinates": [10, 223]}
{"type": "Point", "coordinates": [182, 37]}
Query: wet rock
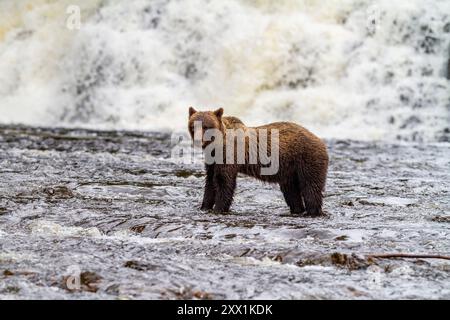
{"type": "Point", "coordinates": [90, 281]}
{"type": "Point", "coordinates": [368, 203]}
{"type": "Point", "coordinates": [441, 219]}
{"type": "Point", "coordinates": [204, 236]}
{"type": "Point", "coordinates": [359, 160]}
{"type": "Point", "coordinates": [11, 290]}
{"type": "Point", "coordinates": [278, 258]}
{"type": "Point", "coordinates": [188, 173]}
{"type": "Point", "coordinates": [8, 273]}
{"type": "Point", "coordinates": [140, 266]}
{"type": "Point", "coordinates": [314, 260]}
{"type": "Point", "coordinates": [388, 201]}
{"type": "Point", "coordinates": [61, 192]}
{"type": "Point", "coordinates": [113, 289]}
{"type": "Point", "coordinates": [356, 293]}
{"type": "Point", "coordinates": [351, 262]}
{"type": "Point", "coordinates": [202, 295]}
{"type": "Point", "coordinates": [245, 252]}
{"type": "Point", "coordinates": [26, 273]}
{"type": "Point", "coordinates": [138, 229]}
{"type": "Point", "coordinates": [187, 293]}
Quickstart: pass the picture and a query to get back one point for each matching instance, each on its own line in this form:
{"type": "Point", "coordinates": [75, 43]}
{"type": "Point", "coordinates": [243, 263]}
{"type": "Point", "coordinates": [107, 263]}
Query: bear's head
{"type": "Point", "coordinates": [201, 121]}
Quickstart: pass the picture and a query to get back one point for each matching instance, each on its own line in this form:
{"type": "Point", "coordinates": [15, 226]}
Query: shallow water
{"type": "Point", "coordinates": [111, 210]}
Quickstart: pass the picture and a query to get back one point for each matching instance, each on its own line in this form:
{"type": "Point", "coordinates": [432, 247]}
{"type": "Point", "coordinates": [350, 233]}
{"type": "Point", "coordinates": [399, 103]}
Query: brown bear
{"type": "Point", "coordinates": [302, 162]}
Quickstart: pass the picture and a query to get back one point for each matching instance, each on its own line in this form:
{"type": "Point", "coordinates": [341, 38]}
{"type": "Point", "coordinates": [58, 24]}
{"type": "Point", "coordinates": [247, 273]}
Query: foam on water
{"type": "Point", "coordinates": [347, 69]}
{"type": "Point", "coordinates": [42, 227]}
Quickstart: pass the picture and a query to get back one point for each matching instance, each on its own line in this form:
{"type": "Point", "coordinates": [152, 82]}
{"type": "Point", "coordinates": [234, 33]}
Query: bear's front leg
{"type": "Point", "coordinates": [210, 192]}
{"type": "Point", "coordinates": [225, 183]}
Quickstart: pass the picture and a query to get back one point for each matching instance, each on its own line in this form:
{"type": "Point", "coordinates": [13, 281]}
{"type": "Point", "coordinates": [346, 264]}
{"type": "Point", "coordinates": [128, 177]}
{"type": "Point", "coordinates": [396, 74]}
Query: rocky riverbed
{"type": "Point", "coordinates": [105, 214]}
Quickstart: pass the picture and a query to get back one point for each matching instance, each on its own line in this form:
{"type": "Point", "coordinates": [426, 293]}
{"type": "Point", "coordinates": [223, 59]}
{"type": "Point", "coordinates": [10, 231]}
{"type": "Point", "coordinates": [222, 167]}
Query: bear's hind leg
{"type": "Point", "coordinates": [312, 184]}
{"type": "Point", "coordinates": [292, 195]}
{"type": "Point", "coordinates": [313, 200]}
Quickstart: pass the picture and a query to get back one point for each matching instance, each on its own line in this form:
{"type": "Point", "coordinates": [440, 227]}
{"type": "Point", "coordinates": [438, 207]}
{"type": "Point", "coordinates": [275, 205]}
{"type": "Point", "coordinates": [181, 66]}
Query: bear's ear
{"type": "Point", "coordinates": [218, 113]}
{"type": "Point", "coordinates": [191, 111]}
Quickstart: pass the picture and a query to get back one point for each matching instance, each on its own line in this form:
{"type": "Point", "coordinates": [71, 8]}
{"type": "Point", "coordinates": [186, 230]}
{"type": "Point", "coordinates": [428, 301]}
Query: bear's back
{"type": "Point", "coordinates": [233, 123]}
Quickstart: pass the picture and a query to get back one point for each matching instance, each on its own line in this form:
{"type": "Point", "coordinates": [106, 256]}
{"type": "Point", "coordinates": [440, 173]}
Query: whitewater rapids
{"type": "Point", "coordinates": [345, 69]}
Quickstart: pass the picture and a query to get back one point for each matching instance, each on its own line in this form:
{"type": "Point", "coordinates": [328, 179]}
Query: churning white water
{"type": "Point", "coordinates": [348, 69]}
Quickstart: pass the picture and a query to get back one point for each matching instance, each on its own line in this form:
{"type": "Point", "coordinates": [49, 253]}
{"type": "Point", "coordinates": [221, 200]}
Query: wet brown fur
{"type": "Point", "coordinates": [303, 164]}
